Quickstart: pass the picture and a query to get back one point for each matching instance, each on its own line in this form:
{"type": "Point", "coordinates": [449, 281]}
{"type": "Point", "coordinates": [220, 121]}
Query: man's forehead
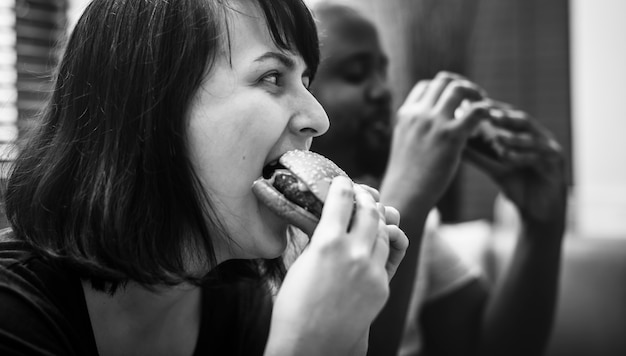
{"type": "Point", "coordinates": [345, 30]}
{"type": "Point", "coordinates": [345, 38]}
{"type": "Point", "coordinates": [346, 22]}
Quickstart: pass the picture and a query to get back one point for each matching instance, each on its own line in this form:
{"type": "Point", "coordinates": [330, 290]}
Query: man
{"type": "Point", "coordinates": [447, 309]}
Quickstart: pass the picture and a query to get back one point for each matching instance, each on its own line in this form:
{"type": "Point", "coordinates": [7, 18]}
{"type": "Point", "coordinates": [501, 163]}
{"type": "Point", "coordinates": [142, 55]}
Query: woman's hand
{"type": "Point", "coordinates": [398, 242]}
{"type": "Point", "coordinates": [340, 282]}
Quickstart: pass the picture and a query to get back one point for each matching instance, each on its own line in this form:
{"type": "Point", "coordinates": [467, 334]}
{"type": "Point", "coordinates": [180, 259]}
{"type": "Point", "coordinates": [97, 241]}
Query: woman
{"type": "Point", "coordinates": [134, 228]}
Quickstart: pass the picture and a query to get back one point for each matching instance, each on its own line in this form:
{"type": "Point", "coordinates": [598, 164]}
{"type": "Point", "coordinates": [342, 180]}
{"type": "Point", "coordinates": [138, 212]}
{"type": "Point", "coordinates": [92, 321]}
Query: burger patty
{"type": "Point", "coordinates": [484, 146]}
{"type": "Point", "coordinates": [288, 185]}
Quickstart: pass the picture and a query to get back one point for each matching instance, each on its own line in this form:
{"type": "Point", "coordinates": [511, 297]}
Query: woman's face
{"type": "Point", "coordinates": [251, 108]}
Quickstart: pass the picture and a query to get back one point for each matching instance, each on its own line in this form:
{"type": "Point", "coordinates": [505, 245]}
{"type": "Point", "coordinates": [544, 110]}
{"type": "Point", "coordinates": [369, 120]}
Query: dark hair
{"type": "Point", "coordinates": [105, 182]}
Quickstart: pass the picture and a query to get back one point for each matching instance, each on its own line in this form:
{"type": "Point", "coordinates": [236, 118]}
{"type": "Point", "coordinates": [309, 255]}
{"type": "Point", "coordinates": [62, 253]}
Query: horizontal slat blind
{"type": "Point", "coordinates": [8, 84]}
{"type": "Point", "coordinates": [8, 95]}
{"type": "Point", "coordinates": [30, 31]}
{"type": "Point", "coordinates": [40, 26]}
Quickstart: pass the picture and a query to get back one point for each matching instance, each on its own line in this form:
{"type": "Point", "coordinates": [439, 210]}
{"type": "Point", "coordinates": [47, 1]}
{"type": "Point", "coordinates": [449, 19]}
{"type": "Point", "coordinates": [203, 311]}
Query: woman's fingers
{"type": "Point", "coordinates": [338, 215]}
{"type": "Point", "coordinates": [380, 248]}
{"type": "Point", "coordinates": [390, 248]}
{"type": "Point", "coordinates": [366, 216]}
{"type": "Point", "coordinates": [377, 224]}
{"type": "Point", "coordinates": [373, 191]}
{"type": "Point", "coordinates": [391, 242]}
{"type": "Point", "coordinates": [398, 244]}
{"type": "Point", "coordinates": [337, 210]}
{"type": "Point", "coordinates": [392, 215]}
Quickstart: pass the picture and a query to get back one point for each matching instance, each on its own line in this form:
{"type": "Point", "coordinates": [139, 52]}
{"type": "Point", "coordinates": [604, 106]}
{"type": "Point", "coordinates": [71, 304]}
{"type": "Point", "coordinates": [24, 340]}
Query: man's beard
{"type": "Point", "coordinates": [373, 149]}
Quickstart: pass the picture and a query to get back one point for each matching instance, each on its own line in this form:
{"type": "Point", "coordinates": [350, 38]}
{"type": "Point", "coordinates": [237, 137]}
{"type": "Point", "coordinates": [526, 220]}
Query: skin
{"type": "Point", "coordinates": [256, 96]}
{"type": "Point", "coordinates": [260, 100]}
{"type": "Point", "coordinates": [427, 147]}
{"type": "Point", "coordinates": [351, 85]}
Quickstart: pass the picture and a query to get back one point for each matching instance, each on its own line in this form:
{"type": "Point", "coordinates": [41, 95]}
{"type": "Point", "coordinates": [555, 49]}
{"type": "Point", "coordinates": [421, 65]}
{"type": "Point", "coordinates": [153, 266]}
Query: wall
{"type": "Point", "coordinates": [599, 118]}
{"type": "Point", "coordinates": [520, 55]}
{"type": "Point", "coordinates": [75, 8]}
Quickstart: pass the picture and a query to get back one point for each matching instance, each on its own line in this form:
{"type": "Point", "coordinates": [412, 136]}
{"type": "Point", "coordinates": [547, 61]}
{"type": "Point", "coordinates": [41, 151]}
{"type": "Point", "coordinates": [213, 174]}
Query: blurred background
{"type": "Point", "coordinates": [562, 61]}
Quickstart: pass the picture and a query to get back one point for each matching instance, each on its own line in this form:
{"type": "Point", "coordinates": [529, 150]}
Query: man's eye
{"type": "Point", "coordinates": [355, 72]}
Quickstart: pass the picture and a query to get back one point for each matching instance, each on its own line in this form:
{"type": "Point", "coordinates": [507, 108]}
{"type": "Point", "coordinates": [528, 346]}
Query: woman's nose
{"type": "Point", "coordinates": [309, 119]}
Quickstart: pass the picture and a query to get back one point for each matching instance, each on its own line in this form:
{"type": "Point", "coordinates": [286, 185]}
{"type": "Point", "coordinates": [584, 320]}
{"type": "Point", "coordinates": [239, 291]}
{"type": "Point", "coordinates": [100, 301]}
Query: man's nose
{"type": "Point", "coordinates": [378, 90]}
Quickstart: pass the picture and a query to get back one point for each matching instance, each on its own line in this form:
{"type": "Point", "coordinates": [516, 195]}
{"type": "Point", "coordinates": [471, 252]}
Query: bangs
{"type": "Point", "coordinates": [291, 25]}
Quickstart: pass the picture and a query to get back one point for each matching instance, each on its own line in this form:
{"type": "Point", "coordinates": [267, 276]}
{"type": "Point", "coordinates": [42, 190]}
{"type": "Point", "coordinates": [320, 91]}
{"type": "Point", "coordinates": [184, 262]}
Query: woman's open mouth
{"type": "Point", "coordinates": [292, 188]}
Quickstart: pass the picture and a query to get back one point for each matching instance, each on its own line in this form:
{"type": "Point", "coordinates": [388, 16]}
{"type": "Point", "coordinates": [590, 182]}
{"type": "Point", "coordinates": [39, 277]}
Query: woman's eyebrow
{"type": "Point", "coordinates": [282, 58]}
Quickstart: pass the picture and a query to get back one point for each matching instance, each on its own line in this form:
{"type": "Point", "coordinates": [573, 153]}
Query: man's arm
{"type": "Point", "coordinates": [514, 317]}
{"type": "Point", "coordinates": [426, 151]}
{"type": "Point", "coordinates": [450, 324]}
{"type": "Point", "coordinates": [387, 330]}
{"type": "Point", "coordinates": [518, 314]}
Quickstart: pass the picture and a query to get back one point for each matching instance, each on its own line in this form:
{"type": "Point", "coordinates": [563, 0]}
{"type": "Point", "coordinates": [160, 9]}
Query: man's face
{"type": "Point", "coordinates": [351, 85]}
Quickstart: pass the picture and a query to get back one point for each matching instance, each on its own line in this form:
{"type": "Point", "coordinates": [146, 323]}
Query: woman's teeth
{"type": "Point", "coordinates": [269, 169]}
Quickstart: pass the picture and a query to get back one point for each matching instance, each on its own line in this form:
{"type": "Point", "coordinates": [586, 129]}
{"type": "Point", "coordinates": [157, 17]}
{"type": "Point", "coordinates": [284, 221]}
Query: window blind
{"type": "Point", "coordinates": [8, 84]}
{"type": "Point", "coordinates": [30, 31]}
{"type": "Point", "coordinates": [40, 26]}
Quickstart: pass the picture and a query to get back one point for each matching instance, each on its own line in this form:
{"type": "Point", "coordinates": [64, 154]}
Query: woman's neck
{"type": "Point", "coordinates": [135, 320]}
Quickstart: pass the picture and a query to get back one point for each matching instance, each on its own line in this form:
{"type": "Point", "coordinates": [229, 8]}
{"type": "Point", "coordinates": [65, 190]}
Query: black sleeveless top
{"type": "Point", "coordinates": [43, 310]}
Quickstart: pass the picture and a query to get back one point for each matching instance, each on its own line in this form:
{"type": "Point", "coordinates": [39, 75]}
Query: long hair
{"type": "Point", "coordinates": [105, 182]}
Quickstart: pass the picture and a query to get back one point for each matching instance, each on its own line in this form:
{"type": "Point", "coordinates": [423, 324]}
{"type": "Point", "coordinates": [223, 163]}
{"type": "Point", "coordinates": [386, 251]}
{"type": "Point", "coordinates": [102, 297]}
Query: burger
{"type": "Point", "coordinates": [295, 187]}
{"type": "Point", "coordinates": [484, 141]}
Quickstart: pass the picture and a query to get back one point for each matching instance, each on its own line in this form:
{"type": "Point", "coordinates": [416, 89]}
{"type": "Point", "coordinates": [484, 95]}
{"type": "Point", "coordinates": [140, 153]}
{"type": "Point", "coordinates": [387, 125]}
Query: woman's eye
{"type": "Point", "coordinates": [271, 78]}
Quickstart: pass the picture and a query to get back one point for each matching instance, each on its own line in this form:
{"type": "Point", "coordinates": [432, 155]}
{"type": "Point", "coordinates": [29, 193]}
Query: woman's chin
{"type": "Point", "coordinates": [268, 241]}
{"type": "Point", "coordinates": [262, 248]}
{"type": "Point", "coordinates": [273, 236]}
{"type": "Point", "coordinates": [272, 245]}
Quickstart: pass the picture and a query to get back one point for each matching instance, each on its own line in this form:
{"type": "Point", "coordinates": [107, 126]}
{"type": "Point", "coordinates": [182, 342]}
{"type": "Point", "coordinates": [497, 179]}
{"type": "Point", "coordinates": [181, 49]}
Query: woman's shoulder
{"type": "Point", "coordinates": [13, 252]}
{"type": "Point", "coordinates": [27, 273]}
{"type": "Point", "coordinates": [42, 305]}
